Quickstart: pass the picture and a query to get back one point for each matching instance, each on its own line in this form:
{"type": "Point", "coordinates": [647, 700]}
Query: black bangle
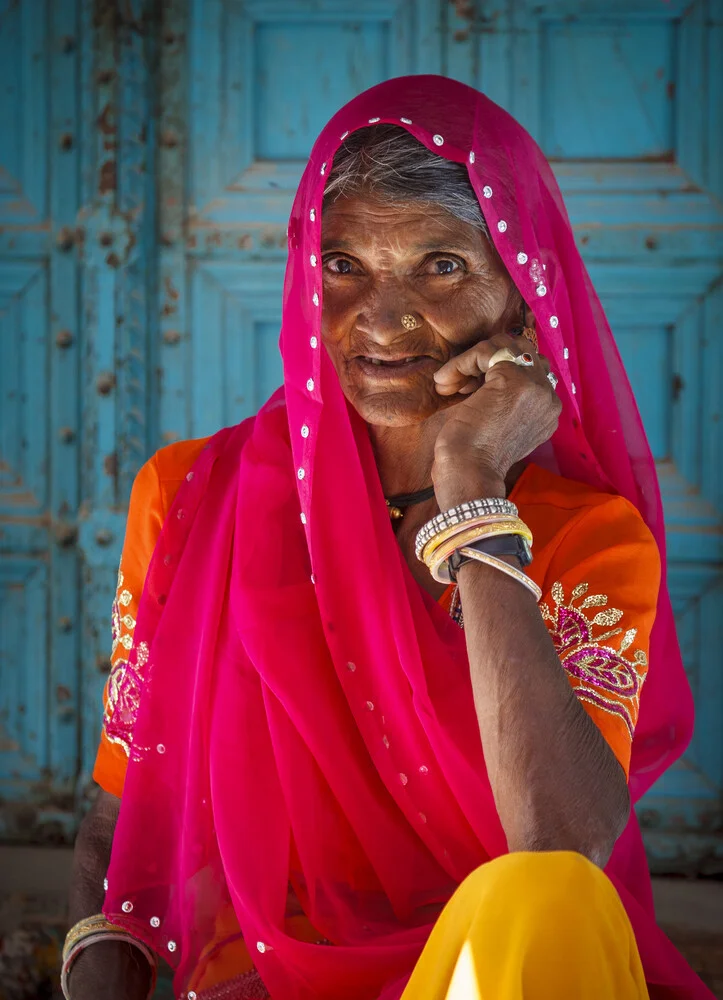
{"type": "Point", "coordinates": [498, 545]}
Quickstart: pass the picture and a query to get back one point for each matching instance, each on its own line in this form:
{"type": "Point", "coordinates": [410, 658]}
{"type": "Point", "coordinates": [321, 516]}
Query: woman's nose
{"type": "Point", "coordinates": [388, 319]}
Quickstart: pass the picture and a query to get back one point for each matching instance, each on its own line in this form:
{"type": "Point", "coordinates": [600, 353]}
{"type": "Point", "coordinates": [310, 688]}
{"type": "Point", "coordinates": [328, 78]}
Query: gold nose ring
{"type": "Point", "coordinates": [410, 321]}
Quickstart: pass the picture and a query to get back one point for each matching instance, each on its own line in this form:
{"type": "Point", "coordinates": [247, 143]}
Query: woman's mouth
{"type": "Point", "coordinates": [402, 367]}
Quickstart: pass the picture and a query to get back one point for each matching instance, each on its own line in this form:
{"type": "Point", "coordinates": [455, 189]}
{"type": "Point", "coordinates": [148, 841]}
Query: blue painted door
{"type": "Point", "coordinates": [182, 211]}
{"type": "Point", "coordinates": [76, 399]}
{"type": "Point", "coordinates": [40, 347]}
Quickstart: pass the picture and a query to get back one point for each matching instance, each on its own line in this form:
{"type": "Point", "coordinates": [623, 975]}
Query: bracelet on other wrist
{"type": "Point", "coordinates": [93, 930]}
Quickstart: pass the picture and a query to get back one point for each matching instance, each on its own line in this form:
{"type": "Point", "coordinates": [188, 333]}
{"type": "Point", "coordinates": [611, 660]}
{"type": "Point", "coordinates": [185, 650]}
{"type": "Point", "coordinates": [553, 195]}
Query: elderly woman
{"type": "Point", "coordinates": [363, 749]}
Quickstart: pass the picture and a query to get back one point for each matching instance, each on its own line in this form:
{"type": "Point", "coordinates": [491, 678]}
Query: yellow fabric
{"type": "Point", "coordinates": [543, 926]}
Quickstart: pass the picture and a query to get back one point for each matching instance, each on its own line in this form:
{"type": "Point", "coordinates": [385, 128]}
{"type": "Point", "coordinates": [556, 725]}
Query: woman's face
{"type": "Point", "coordinates": [383, 260]}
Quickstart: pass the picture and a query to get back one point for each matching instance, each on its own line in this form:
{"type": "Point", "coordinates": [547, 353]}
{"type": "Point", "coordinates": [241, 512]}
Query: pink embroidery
{"type": "Point", "coordinates": [126, 676]}
{"type": "Point", "coordinates": [600, 675]}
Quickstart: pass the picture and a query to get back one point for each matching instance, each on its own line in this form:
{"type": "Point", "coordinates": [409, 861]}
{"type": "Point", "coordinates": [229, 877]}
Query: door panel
{"type": "Point", "coordinates": [39, 599]}
{"type": "Point", "coordinates": [240, 129]}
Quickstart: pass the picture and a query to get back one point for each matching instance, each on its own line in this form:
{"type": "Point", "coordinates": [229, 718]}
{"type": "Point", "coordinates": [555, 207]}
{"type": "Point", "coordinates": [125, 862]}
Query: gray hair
{"type": "Point", "coordinates": [385, 160]}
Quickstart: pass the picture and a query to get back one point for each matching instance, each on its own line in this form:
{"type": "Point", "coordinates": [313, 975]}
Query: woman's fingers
{"type": "Point", "coordinates": [463, 370]}
{"type": "Point", "coordinates": [464, 374]}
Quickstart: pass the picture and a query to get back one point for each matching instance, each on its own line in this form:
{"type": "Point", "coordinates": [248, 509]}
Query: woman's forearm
{"type": "Point", "coordinates": [109, 970]}
{"type": "Point", "coordinates": [91, 857]}
{"type": "Point", "coordinates": [556, 782]}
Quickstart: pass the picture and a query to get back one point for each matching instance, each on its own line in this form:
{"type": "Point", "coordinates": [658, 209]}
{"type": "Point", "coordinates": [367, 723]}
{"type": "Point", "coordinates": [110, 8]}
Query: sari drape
{"type": "Point", "coordinates": [280, 634]}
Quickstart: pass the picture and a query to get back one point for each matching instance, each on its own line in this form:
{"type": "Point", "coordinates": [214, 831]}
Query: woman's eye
{"type": "Point", "coordinates": [339, 265]}
{"type": "Point", "coordinates": [445, 265]}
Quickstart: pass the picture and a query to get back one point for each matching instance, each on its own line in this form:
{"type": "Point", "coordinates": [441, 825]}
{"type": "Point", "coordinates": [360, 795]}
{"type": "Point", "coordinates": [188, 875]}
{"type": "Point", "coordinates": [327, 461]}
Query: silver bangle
{"type": "Point", "coordinates": [458, 515]}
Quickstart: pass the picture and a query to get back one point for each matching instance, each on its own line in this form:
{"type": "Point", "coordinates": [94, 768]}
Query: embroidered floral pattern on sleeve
{"type": "Point", "coordinates": [610, 679]}
{"type": "Point", "coordinates": [124, 681]}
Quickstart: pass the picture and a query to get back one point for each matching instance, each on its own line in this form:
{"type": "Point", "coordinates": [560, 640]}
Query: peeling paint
{"type": "Point", "coordinates": [106, 121]}
{"type": "Point", "coordinates": [107, 177]}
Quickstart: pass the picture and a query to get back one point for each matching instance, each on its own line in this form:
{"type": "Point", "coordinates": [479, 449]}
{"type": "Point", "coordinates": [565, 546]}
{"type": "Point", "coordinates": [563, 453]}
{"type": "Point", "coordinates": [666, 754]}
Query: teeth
{"type": "Point", "coordinates": [378, 361]}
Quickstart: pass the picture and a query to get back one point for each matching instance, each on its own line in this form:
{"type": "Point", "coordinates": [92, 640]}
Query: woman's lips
{"type": "Point", "coordinates": [399, 368]}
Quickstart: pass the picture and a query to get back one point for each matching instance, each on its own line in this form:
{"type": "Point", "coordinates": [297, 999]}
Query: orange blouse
{"type": "Point", "coordinates": [595, 560]}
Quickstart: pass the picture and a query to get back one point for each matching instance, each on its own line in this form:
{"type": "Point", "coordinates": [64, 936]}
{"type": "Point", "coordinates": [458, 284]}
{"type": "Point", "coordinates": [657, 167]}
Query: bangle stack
{"type": "Point", "coordinates": [461, 515]}
{"type": "Point", "coordinates": [476, 531]}
{"type": "Point", "coordinates": [92, 930]}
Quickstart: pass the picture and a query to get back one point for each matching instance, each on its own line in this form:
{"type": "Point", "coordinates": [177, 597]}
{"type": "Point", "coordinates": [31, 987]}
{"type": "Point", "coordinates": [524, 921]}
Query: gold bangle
{"type": "Point", "coordinates": [437, 564]}
{"type": "Point", "coordinates": [504, 567]}
{"type": "Point", "coordinates": [477, 534]}
{"type": "Point", "coordinates": [455, 539]}
{"type": "Point", "coordinates": [463, 525]}
{"type": "Point", "coordinates": [444, 551]}
{"type": "Point", "coordinates": [85, 927]}
{"type": "Point", "coordinates": [446, 548]}
{"type": "Point", "coordinates": [507, 525]}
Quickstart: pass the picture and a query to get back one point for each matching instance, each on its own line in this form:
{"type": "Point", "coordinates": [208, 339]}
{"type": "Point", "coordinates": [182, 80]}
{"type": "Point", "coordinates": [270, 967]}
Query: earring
{"type": "Point", "coordinates": [531, 334]}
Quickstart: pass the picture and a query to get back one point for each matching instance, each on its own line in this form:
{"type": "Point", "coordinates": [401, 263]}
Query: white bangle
{"type": "Point", "coordinates": [504, 567]}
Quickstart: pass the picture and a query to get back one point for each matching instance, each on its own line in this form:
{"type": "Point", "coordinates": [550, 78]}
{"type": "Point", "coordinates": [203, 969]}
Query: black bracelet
{"type": "Point", "coordinates": [498, 545]}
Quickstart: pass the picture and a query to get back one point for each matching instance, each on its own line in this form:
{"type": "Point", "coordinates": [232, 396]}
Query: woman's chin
{"type": "Point", "coordinates": [396, 408]}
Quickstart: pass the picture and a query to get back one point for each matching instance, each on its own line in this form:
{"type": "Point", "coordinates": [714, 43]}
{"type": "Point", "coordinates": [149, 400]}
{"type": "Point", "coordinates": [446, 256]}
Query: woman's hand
{"type": "Point", "coordinates": [509, 411]}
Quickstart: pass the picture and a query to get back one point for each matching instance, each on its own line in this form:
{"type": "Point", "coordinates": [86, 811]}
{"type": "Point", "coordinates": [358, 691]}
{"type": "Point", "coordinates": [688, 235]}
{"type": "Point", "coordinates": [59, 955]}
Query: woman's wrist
{"type": "Point", "coordinates": [456, 483]}
{"type": "Point", "coordinates": [110, 970]}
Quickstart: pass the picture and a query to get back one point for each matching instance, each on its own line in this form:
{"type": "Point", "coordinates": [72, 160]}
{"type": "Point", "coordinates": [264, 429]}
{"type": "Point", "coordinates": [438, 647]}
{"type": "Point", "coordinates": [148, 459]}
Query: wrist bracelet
{"type": "Point", "coordinates": [484, 523]}
{"type": "Point", "coordinates": [499, 545]}
{"type": "Point", "coordinates": [516, 574]}
{"type": "Point", "coordinates": [86, 926]}
{"type": "Point", "coordinates": [468, 511]}
{"type": "Point", "coordinates": [436, 553]}
{"type": "Point", "coordinates": [93, 930]}
{"type": "Point", "coordinates": [438, 561]}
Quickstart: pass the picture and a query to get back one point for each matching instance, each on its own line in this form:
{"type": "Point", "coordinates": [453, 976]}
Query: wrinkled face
{"type": "Point", "coordinates": [384, 260]}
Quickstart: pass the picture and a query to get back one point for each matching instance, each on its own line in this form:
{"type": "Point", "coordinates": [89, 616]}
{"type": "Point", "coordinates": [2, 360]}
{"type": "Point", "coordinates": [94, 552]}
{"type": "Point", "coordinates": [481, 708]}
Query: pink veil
{"type": "Point", "coordinates": [306, 713]}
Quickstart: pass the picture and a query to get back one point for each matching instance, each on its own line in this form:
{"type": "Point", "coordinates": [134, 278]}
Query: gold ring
{"type": "Point", "coordinates": [410, 322]}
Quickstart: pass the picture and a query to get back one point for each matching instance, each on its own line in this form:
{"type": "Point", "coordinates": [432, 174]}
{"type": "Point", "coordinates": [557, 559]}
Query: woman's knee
{"type": "Point", "coordinates": [542, 885]}
{"type": "Point", "coordinates": [549, 918]}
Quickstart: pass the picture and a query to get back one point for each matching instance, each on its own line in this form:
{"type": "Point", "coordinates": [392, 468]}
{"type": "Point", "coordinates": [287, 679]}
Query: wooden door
{"type": "Point", "coordinates": [200, 115]}
{"type": "Point", "coordinates": [40, 347]}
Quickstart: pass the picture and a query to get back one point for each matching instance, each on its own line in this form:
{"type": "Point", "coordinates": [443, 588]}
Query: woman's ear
{"type": "Point", "coordinates": [529, 317]}
{"type": "Point", "coordinates": [529, 330]}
